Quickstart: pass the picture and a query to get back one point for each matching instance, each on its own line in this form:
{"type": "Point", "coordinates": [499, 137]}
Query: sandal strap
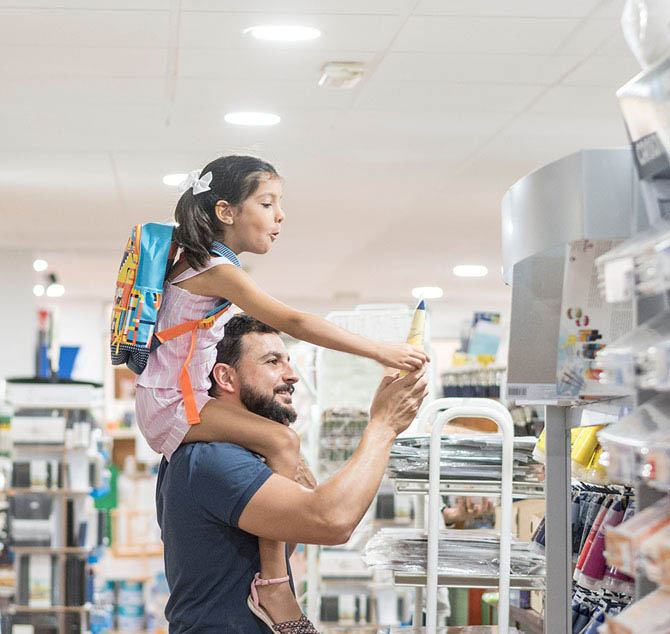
{"type": "Point", "coordinates": [301, 626]}
{"type": "Point", "coordinates": [257, 581]}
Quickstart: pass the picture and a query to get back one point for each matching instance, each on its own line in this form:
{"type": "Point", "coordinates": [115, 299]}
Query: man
{"type": "Point", "coordinates": [215, 499]}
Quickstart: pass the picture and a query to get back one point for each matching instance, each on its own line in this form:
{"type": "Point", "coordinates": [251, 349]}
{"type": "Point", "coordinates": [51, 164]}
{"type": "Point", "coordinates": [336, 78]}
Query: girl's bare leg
{"type": "Point", "coordinates": [281, 448]}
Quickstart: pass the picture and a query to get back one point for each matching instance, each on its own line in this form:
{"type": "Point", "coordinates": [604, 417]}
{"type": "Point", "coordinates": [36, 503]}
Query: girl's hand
{"type": "Point", "coordinates": [401, 356]}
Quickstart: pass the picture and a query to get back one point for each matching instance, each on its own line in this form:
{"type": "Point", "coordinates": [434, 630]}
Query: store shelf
{"type": "Point", "coordinates": [484, 488]}
{"type": "Point", "coordinates": [38, 550]}
{"type": "Point", "coordinates": [51, 608]}
{"type": "Point", "coordinates": [525, 582]}
{"type": "Point", "coordinates": [46, 491]}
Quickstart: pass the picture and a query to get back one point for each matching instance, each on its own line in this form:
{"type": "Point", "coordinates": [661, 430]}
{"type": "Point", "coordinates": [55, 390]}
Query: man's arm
{"type": "Point", "coordinates": [285, 511]}
{"type": "Point", "coordinates": [304, 477]}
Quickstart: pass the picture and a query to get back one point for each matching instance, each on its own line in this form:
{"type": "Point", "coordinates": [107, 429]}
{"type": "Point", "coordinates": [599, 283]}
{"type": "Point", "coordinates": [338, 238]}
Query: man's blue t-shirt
{"type": "Point", "coordinates": [209, 561]}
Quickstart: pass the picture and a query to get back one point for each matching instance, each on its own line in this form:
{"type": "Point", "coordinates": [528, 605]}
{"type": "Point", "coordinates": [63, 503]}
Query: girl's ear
{"type": "Point", "coordinates": [225, 377]}
{"type": "Point", "coordinates": [224, 212]}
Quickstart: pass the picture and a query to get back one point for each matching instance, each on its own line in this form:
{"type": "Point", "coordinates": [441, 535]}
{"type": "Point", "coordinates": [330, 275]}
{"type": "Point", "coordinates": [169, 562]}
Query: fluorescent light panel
{"type": "Point", "coordinates": [283, 32]}
{"type": "Point", "coordinates": [470, 270]}
{"type": "Point", "coordinates": [252, 118]}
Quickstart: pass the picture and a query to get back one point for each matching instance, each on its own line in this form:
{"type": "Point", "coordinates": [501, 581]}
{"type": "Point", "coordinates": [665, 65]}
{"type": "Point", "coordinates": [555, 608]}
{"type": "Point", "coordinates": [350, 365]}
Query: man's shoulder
{"type": "Point", "coordinates": [202, 458]}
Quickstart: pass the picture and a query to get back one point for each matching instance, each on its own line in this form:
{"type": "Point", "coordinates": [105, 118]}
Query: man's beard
{"type": "Point", "coordinates": [266, 406]}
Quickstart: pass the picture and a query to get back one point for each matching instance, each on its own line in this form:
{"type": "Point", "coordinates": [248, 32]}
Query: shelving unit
{"type": "Point", "coordinates": [62, 466]}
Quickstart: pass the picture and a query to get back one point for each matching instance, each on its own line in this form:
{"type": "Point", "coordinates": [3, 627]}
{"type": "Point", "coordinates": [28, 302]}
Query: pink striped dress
{"type": "Point", "coordinates": [159, 405]}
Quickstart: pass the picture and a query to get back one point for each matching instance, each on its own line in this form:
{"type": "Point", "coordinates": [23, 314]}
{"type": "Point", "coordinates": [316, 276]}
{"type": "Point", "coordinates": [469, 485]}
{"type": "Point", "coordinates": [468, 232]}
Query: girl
{"type": "Point", "coordinates": [233, 206]}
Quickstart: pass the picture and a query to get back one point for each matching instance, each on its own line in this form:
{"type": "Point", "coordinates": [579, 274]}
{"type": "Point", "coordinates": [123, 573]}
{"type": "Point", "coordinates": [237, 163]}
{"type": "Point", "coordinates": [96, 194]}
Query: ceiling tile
{"type": "Point", "coordinates": [340, 33]}
{"type": "Point", "coordinates": [390, 7]}
{"type": "Point", "coordinates": [601, 71]}
{"type": "Point", "coordinates": [420, 97]}
{"type": "Point", "coordinates": [484, 35]}
{"type": "Point", "coordinates": [260, 64]}
{"type": "Point", "coordinates": [578, 101]}
{"type": "Point", "coordinates": [83, 28]}
{"type": "Point", "coordinates": [51, 62]}
{"type": "Point", "coordinates": [515, 8]}
{"type": "Point", "coordinates": [473, 68]}
{"type": "Point", "coordinates": [588, 37]}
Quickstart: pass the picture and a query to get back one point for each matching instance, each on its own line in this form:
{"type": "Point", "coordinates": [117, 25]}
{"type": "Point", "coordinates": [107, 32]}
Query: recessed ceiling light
{"type": "Point", "coordinates": [252, 118]}
{"type": "Point", "coordinates": [470, 270]}
{"type": "Point", "coordinates": [283, 32]}
{"type": "Point", "coordinates": [427, 292]}
{"type": "Point", "coordinates": [55, 290]}
{"type": "Point", "coordinates": [174, 180]}
{"type": "Point", "coordinates": [40, 265]}
{"type": "Point", "coordinates": [38, 290]}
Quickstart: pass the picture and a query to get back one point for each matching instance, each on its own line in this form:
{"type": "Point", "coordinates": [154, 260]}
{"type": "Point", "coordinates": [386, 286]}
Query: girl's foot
{"type": "Point", "coordinates": [272, 601]}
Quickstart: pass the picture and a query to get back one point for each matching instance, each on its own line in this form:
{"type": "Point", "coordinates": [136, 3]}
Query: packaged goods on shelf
{"type": "Point", "coordinates": [464, 457]}
{"type": "Point", "coordinates": [657, 468]}
{"type": "Point", "coordinates": [650, 615]}
{"type": "Point", "coordinates": [468, 382]}
{"type": "Point", "coordinates": [623, 542]}
{"type": "Point", "coordinates": [639, 266]}
{"type": "Point", "coordinates": [639, 359]}
{"type": "Point", "coordinates": [461, 552]}
{"type": "Point", "coordinates": [341, 431]}
{"type": "Point", "coordinates": [655, 557]}
{"type": "Point", "coordinates": [627, 440]}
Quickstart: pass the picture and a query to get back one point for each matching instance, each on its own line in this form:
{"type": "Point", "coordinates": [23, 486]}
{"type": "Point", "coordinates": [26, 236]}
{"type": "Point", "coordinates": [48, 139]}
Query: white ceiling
{"type": "Point", "coordinates": [387, 186]}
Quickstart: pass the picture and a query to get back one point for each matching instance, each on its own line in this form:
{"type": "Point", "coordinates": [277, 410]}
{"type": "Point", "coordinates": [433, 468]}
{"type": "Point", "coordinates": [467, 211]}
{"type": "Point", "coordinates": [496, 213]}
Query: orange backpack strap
{"type": "Point", "coordinates": [192, 414]}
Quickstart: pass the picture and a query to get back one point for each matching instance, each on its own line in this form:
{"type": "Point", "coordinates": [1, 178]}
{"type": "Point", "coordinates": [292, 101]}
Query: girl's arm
{"type": "Point", "coordinates": [236, 286]}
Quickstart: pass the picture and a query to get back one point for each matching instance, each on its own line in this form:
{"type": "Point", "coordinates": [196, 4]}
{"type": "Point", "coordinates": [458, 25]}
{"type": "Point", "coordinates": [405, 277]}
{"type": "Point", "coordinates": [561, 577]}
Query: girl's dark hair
{"type": "Point", "coordinates": [234, 179]}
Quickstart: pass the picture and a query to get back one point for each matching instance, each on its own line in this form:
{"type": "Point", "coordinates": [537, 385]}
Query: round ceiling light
{"type": "Point", "coordinates": [55, 290]}
{"type": "Point", "coordinates": [174, 180]}
{"type": "Point", "coordinates": [470, 270]}
{"type": "Point", "coordinates": [40, 265]}
{"type": "Point", "coordinates": [283, 32]}
{"type": "Point", "coordinates": [38, 290]}
{"type": "Point", "coordinates": [427, 292]}
{"type": "Point", "coordinates": [252, 118]}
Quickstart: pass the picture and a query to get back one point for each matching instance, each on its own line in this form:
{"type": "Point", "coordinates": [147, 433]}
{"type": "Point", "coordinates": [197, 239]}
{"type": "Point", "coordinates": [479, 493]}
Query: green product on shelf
{"type": "Point", "coordinates": [490, 608]}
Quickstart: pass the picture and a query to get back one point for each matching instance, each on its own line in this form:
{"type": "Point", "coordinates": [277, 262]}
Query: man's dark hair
{"type": "Point", "coordinates": [229, 349]}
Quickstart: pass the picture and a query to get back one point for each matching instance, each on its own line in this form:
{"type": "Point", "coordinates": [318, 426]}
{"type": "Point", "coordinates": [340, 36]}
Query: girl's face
{"type": "Point", "coordinates": [256, 222]}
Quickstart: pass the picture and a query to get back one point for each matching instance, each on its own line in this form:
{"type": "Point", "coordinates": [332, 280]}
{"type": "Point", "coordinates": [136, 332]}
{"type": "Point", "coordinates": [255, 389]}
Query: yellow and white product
{"type": "Point", "coordinates": [583, 449]}
{"type": "Point", "coordinates": [540, 450]}
{"type": "Point", "coordinates": [417, 330]}
{"type": "Point", "coordinates": [623, 542]}
{"type": "Point", "coordinates": [651, 615]}
{"type": "Point", "coordinates": [595, 472]}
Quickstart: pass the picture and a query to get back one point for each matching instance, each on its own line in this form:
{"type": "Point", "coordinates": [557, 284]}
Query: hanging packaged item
{"type": "Point", "coordinates": [623, 542]}
{"type": "Point", "coordinates": [639, 359]}
{"type": "Point", "coordinates": [650, 615]}
{"type": "Point", "coordinates": [625, 441]}
{"type": "Point", "coordinates": [639, 266]}
{"type": "Point", "coordinates": [657, 469]}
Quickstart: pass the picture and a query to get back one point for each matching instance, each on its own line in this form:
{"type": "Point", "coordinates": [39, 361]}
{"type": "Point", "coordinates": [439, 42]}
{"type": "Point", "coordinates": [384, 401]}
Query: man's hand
{"type": "Point", "coordinates": [304, 476]}
{"type": "Point", "coordinates": [397, 401]}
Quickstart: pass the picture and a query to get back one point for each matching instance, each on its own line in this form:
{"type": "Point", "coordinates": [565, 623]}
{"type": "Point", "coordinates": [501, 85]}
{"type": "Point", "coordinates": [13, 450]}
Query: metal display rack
{"type": "Point", "coordinates": [458, 408]}
{"type": "Point", "coordinates": [589, 195]}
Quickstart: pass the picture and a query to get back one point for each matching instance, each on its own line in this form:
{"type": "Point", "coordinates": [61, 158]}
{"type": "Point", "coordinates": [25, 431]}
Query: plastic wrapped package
{"type": "Point", "coordinates": [657, 468]}
{"type": "Point", "coordinates": [639, 359]}
{"type": "Point", "coordinates": [460, 552]}
{"type": "Point", "coordinates": [646, 27]}
{"type": "Point", "coordinates": [624, 542]}
{"type": "Point", "coordinates": [464, 457]}
{"type": "Point", "coordinates": [626, 441]}
{"type": "Point", "coordinates": [640, 265]}
{"type": "Point", "coordinates": [650, 615]}
{"type": "Point", "coordinates": [655, 556]}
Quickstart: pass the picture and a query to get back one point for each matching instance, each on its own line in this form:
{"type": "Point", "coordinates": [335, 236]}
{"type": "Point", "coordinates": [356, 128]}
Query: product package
{"type": "Point", "coordinates": [627, 441]}
{"type": "Point", "coordinates": [460, 552]}
{"type": "Point", "coordinates": [623, 542]}
{"type": "Point", "coordinates": [650, 615]}
{"type": "Point", "coordinates": [587, 324]}
{"type": "Point", "coordinates": [639, 359]}
{"type": "Point", "coordinates": [655, 554]}
{"type": "Point", "coordinates": [464, 457]}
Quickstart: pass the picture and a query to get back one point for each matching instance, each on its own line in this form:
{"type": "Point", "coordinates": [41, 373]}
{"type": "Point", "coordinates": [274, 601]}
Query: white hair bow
{"type": "Point", "coordinates": [199, 184]}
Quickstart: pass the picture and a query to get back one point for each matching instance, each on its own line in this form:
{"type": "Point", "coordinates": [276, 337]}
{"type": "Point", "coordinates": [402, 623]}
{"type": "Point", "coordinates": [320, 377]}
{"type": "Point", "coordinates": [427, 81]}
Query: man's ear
{"type": "Point", "coordinates": [225, 377]}
{"type": "Point", "coordinates": [224, 212]}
